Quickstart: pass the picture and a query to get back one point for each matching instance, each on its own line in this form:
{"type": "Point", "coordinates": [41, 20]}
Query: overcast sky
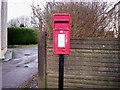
{"type": "Point", "coordinates": [17, 8]}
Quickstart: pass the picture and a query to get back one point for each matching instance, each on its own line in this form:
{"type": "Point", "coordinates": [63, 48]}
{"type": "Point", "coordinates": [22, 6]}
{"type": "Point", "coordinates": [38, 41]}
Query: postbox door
{"type": "Point", "coordinates": [61, 42]}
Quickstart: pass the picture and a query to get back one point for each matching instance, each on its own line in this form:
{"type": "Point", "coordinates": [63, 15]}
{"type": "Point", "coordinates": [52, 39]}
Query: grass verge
{"type": "Point", "coordinates": [22, 46]}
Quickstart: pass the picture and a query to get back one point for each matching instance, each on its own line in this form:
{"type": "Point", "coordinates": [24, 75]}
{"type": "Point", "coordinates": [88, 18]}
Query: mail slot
{"type": "Point", "coordinates": [61, 33]}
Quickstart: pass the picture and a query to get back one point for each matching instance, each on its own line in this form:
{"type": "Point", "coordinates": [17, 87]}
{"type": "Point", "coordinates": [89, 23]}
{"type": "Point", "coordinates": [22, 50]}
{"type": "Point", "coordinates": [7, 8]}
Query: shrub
{"type": "Point", "coordinates": [21, 36]}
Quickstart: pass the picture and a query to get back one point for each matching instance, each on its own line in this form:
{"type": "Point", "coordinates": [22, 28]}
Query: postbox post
{"type": "Point", "coordinates": [61, 42]}
{"type": "Point", "coordinates": [61, 71]}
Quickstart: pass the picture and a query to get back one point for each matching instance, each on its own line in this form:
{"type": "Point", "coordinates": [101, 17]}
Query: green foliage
{"type": "Point", "coordinates": [21, 36]}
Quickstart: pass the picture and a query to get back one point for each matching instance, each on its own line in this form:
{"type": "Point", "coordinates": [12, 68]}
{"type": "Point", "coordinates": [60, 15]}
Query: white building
{"type": "Point", "coordinates": [114, 19]}
{"type": "Point", "coordinates": [3, 28]}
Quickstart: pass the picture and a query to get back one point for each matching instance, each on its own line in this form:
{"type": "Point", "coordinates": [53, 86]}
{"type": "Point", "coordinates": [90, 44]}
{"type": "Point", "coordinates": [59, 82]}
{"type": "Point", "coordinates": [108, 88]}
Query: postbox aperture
{"type": "Point", "coordinates": [61, 34]}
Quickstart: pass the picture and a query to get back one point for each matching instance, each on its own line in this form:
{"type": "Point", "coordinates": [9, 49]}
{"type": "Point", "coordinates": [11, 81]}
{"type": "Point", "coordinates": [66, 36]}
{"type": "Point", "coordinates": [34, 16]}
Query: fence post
{"type": "Point", "coordinates": [41, 59]}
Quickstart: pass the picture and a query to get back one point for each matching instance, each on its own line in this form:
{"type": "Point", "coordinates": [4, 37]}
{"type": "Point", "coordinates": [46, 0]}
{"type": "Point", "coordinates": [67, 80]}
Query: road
{"type": "Point", "coordinates": [21, 68]}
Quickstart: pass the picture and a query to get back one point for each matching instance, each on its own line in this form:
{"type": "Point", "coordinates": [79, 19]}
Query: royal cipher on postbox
{"type": "Point", "coordinates": [61, 33]}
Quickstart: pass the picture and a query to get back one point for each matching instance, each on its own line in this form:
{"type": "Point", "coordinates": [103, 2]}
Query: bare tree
{"type": "Point", "coordinates": [12, 22]}
{"type": "Point", "coordinates": [88, 19]}
{"type": "Point", "coordinates": [23, 20]}
{"type": "Point", "coordinates": [37, 16]}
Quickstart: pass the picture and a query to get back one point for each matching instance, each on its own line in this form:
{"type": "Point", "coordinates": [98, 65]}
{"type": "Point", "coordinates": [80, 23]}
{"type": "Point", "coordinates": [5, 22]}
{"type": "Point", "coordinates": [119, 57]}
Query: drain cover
{"type": "Point", "coordinates": [26, 66]}
{"type": "Point", "coordinates": [27, 54]}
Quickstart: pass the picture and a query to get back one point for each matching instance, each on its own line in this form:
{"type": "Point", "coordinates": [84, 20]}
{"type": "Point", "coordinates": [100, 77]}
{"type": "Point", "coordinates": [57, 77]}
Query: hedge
{"type": "Point", "coordinates": [21, 36]}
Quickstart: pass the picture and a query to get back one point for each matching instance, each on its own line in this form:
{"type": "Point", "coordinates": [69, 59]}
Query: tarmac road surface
{"type": "Point", "coordinates": [21, 68]}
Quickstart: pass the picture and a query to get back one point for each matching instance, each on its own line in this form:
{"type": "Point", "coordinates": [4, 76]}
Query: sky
{"type": "Point", "coordinates": [18, 8]}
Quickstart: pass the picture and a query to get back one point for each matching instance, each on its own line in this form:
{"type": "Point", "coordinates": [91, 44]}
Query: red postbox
{"type": "Point", "coordinates": [61, 33]}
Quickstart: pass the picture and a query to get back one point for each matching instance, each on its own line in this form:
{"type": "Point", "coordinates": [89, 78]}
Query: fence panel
{"type": "Point", "coordinates": [92, 63]}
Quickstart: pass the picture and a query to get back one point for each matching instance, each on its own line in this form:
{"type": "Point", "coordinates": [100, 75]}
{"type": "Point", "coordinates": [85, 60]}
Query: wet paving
{"type": "Point", "coordinates": [21, 68]}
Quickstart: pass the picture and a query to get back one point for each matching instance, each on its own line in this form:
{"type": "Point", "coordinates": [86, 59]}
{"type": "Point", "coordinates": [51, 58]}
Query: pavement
{"type": "Point", "coordinates": [19, 65]}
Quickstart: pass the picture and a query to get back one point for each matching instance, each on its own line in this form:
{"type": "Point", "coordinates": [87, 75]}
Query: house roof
{"type": "Point", "coordinates": [114, 6]}
{"type": "Point", "coordinates": [117, 3]}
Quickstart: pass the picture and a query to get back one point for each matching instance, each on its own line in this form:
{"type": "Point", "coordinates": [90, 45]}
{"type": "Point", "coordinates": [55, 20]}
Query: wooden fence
{"type": "Point", "coordinates": [92, 63]}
